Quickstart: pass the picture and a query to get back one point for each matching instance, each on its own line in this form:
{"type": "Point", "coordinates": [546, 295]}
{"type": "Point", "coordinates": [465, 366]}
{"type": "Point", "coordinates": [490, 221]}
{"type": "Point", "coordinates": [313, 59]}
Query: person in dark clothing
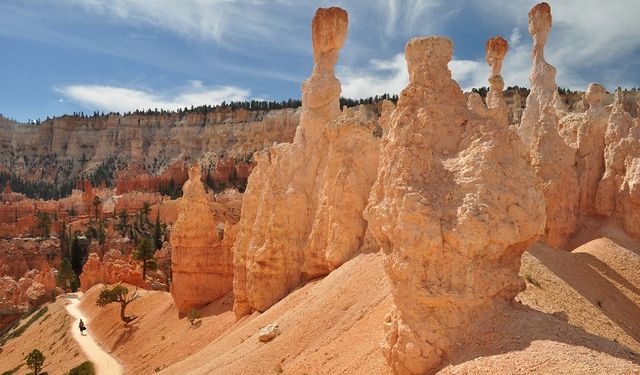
{"type": "Point", "coordinates": [82, 327]}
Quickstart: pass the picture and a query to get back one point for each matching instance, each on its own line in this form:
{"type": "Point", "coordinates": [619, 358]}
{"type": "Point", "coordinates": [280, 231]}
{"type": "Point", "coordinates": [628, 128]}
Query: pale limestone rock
{"type": "Point", "coordinates": [269, 332]}
{"type": "Point", "coordinates": [496, 49]}
{"type": "Point", "coordinates": [552, 159]}
{"type": "Point", "coordinates": [584, 131]}
{"type": "Point", "coordinates": [349, 172]}
{"type": "Point", "coordinates": [618, 193]}
{"type": "Point", "coordinates": [302, 210]}
{"type": "Point", "coordinates": [162, 139]}
{"type": "Point", "coordinates": [201, 266]}
{"type": "Point", "coordinates": [454, 206]}
{"type": "Point", "coordinates": [281, 196]}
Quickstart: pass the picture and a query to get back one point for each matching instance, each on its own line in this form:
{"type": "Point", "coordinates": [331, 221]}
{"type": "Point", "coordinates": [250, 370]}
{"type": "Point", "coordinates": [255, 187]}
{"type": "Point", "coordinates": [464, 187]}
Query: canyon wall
{"type": "Point", "coordinates": [68, 146]}
{"type": "Point", "coordinates": [112, 269]}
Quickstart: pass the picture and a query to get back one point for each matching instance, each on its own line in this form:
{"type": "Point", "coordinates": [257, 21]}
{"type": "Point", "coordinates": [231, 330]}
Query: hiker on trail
{"type": "Point", "coordinates": [82, 327]}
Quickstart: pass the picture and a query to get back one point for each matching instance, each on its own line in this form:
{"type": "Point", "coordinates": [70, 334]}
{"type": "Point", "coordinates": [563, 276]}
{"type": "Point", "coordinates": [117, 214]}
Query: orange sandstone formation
{"type": "Point", "coordinates": [454, 206]}
{"type": "Point", "coordinates": [618, 193]}
{"type": "Point", "coordinates": [552, 159]}
{"type": "Point", "coordinates": [201, 265]}
{"type": "Point", "coordinates": [114, 268]}
{"type": "Point", "coordinates": [496, 49]}
{"type": "Point", "coordinates": [19, 295]}
{"type": "Point", "coordinates": [351, 163]}
{"type": "Point", "coordinates": [302, 210]}
{"type": "Point", "coordinates": [280, 198]}
{"type": "Point", "coordinates": [585, 132]}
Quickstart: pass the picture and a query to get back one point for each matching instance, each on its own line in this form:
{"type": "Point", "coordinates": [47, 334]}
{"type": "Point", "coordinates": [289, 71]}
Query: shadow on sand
{"type": "Point", "coordinates": [129, 330]}
{"type": "Point", "coordinates": [514, 327]}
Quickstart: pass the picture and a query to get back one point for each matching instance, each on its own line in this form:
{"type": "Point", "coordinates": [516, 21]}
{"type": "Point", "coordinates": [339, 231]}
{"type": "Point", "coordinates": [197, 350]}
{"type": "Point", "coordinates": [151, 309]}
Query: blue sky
{"type": "Point", "coordinates": [64, 56]}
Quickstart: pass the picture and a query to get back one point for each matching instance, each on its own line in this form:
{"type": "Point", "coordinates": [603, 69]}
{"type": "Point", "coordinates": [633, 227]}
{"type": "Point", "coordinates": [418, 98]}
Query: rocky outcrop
{"type": "Point", "coordinates": [302, 210]}
{"type": "Point", "coordinates": [454, 206]}
{"type": "Point", "coordinates": [552, 159]}
{"type": "Point", "coordinates": [112, 269]}
{"type": "Point", "coordinates": [201, 265]}
{"type": "Point", "coordinates": [585, 132]}
{"type": "Point", "coordinates": [618, 193]}
{"type": "Point", "coordinates": [496, 50]}
{"type": "Point", "coordinates": [20, 255]}
{"type": "Point", "coordinates": [350, 167]}
{"type": "Point", "coordinates": [20, 295]}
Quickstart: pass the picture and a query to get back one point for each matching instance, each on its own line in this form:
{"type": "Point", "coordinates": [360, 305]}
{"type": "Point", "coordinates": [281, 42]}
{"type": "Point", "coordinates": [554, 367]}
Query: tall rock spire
{"type": "Point", "coordinates": [552, 159]}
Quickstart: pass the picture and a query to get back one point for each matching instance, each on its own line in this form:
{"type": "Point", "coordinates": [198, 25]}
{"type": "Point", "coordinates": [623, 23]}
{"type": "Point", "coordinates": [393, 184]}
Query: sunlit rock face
{"type": "Point", "coordinates": [454, 206]}
{"type": "Point", "coordinates": [302, 210]}
{"type": "Point", "coordinates": [552, 159]}
{"type": "Point", "coordinates": [618, 192]}
{"type": "Point", "coordinates": [201, 265]}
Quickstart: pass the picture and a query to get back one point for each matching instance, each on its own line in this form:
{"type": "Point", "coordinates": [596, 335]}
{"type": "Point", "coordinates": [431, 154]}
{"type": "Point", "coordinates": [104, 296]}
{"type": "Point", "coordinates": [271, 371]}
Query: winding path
{"type": "Point", "coordinates": [104, 363]}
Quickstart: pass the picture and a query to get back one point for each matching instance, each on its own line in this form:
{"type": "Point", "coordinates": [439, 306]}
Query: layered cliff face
{"type": "Point", "coordinates": [201, 264]}
{"type": "Point", "coordinates": [552, 159]}
{"type": "Point", "coordinates": [454, 206]}
{"type": "Point", "coordinates": [302, 210]}
{"type": "Point", "coordinates": [618, 193]}
{"type": "Point", "coordinates": [65, 147]}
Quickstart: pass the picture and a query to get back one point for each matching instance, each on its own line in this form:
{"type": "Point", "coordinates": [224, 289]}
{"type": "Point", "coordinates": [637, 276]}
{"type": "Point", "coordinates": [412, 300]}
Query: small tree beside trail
{"type": "Point", "coordinates": [35, 361]}
{"type": "Point", "coordinates": [118, 294]}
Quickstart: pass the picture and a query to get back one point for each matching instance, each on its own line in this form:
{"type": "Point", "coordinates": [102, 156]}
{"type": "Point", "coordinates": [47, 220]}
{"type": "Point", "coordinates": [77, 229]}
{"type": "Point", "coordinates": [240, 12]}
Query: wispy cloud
{"type": "Point", "coordinates": [588, 41]}
{"type": "Point", "coordinates": [228, 23]}
{"type": "Point", "coordinates": [122, 99]}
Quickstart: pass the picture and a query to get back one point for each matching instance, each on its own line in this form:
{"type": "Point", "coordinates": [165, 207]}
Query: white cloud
{"type": "Point", "coordinates": [391, 76]}
{"type": "Point", "coordinates": [469, 73]}
{"type": "Point", "coordinates": [382, 76]}
{"type": "Point", "coordinates": [121, 99]}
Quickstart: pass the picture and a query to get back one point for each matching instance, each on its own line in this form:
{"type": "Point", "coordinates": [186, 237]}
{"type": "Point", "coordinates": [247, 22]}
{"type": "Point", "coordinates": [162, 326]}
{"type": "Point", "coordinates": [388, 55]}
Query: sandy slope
{"type": "Point", "coordinates": [50, 334]}
{"type": "Point", "coordinates": [319, 323]}
{"type": "Point", "coordinates": [334, 325]}
{"type": "Point", "coordinates": [103, 362]}
{"type": "Point", "coordinates": [579, 314]}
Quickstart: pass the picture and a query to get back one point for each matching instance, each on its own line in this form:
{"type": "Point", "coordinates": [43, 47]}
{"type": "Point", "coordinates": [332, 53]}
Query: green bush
{"type": "Point", "coordinates": [194, 317]}
{"type": "Point", "coordinates": [85, 368]}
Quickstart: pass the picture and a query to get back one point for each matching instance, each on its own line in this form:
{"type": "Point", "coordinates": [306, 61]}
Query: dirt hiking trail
{"type": "Point", "coordinates": [103, 362]}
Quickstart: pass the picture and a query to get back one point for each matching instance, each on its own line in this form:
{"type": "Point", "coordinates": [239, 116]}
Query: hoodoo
{"type": "Point", "coordinates": [201, 264]}
{"type": "Point", "coordinates": [454, 206]}
{"type": "Point", "coordinates": [293, 203]}
{"type": "Point", "coordinates": [551, 158]}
